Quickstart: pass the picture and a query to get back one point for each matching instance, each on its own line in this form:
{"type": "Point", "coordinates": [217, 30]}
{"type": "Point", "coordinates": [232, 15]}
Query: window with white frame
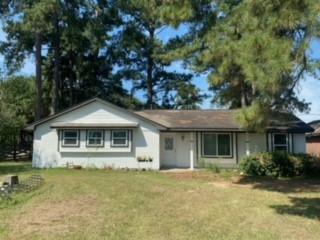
{"type": "Point", "coordinates": [95, 138]}
{"type": "Point", "coordinates": [119, 138]}
{"type": "Point", "coordinates": [280, 142]}
{"type": "Point", "coordinates": [216, 145]}
{"type": "Point", "coordinates": [70, 138]}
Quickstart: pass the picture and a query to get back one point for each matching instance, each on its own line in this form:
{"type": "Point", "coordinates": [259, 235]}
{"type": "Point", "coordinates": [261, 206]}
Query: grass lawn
{"type": "Point", "coordinates": [102, 204]}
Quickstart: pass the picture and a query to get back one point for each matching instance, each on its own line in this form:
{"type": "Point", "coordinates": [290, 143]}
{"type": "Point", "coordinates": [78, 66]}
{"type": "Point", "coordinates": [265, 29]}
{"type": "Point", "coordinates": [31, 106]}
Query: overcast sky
{"type": "Point", "coordinates": [309, 88]}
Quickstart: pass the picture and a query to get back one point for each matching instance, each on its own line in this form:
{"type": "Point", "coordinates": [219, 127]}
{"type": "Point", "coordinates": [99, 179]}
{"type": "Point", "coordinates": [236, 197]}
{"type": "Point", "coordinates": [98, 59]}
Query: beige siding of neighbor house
{"type": "Point", "coordinates": [143, 141]}
{"type": "Point", "coordinates": [313, 145]}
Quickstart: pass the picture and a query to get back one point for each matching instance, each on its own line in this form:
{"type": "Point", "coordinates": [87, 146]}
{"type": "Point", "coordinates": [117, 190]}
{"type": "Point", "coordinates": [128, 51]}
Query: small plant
{"type": "Point", "coordinates": [210, 166]}
{"type": "Point", "coordinates": [213, 167]}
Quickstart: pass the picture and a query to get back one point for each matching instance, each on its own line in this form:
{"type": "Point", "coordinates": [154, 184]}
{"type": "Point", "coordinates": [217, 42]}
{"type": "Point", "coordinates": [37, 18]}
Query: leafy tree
{"type": "Point", "coordinates": [142, 57]}
{"type": "Point", "coordinates": [79, 58]}
{"type": "Point", "coordinates": [17, 93]}
{"type": "Point", "coordinates": [16, 108]}
{"type": "Point", "coordinates": [255, 51]}
{"type": "Point", "coordinates": [26, 24]}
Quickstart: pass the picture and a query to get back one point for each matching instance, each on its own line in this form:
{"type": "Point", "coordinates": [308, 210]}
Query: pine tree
{"type": "Point", "coordinates": [255, 51]}
{"type": "Point", "coordinates": [79, 55]}
{"type": "Point", "coordinates": [142, 57]}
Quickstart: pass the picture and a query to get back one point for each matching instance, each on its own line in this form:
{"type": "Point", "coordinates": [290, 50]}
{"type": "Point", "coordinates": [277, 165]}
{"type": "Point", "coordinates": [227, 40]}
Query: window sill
{"type": "Point", "coordinates": [94, 150]}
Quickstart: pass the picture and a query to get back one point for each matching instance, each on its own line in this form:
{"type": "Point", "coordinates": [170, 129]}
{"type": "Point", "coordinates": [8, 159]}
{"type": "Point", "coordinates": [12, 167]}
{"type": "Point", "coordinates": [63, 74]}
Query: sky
{"type": "Point", "coordinates": [309, 88]}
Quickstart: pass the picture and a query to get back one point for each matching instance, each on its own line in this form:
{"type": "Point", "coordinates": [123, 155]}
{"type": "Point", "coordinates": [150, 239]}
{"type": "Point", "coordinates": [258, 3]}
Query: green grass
{"type": "Point", "coordinates": [101, 204]}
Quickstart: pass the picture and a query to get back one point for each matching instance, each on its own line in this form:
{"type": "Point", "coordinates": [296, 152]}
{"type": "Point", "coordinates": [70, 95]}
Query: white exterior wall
{"type": "Point", "coordinates": [257, 143]}
{"type": "Point", "coordinates": [180, 155]}
{"type": "Point", "coordinates": [299, 143]}
{"type": "Point", "coordinates": [145, 141]}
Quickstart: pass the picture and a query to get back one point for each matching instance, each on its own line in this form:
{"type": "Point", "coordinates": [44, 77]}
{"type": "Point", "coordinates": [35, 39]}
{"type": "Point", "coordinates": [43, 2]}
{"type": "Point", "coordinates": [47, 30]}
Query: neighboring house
{"type": "Point", "coordinates": [313, 139]}
{"type": "Point", "coordinates": [99, 134]}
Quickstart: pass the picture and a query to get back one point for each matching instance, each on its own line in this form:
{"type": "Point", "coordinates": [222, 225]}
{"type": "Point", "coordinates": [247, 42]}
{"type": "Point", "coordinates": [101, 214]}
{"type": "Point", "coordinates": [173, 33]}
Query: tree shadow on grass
{"type": "Point", "coordinates": [304, 207]}
{"type": "Point", "coordinates": [297, 185]}
{"type": "Point", "coordinates": [14, 167]}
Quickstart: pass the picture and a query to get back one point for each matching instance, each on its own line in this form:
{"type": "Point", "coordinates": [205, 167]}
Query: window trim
{"type": "Point", "coordinates": [95, 145]}
{"type": "Point", "coordinates": [119, 145]}
{"type": "Point", "coordinates": [217, 156]}
{"type": "Point", "coordinates": [280, 145]}
{"type": "Point", "coordinates": [63, 138]}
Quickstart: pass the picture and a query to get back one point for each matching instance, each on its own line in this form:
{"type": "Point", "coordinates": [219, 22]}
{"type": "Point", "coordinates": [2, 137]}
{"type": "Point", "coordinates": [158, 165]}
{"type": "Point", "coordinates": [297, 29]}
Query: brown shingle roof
{"type": "Point", "coordinates": [218, 120]}
{"type": "Point", "coordinates": [193, 119]}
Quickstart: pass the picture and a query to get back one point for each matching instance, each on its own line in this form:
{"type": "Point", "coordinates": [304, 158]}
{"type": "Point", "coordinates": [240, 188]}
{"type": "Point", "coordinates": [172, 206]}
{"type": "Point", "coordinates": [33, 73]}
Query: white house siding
{"type": "Point", "coordinates": [47, 152]}
{"type": "Point", "coordinates": [180, 155]}
{"type": "Point", "coordinates": [299, 143]}
{"type": "Point", "coordinates": [257, 143]}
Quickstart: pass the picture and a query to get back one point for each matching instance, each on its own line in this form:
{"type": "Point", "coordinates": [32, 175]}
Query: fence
{"type": "Point", "coordinates": [16, 152]}
{"type": "Point", "coordinates": [27, 185]}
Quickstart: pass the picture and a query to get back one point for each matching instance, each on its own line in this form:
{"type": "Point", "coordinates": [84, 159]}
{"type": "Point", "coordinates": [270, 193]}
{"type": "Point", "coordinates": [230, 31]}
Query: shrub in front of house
{"type": "Point", "coordinates": [279, 164]}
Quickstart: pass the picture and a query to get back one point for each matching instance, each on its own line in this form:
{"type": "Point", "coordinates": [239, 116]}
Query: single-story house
{"type": "Point", "coordinates": [313, 139]}
{"type": "Point", "coordinates": [99, 134]}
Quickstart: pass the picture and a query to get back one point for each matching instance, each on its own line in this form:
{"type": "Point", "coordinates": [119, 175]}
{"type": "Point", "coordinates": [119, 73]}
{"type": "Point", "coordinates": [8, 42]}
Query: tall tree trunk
{"type": "Point", "coordinates": [243, 95]}
{"type": "Point", "coordinates": [72, 79]}
{"type": "Point", "coordinates": [39, 91]}
{"type": "Point", "coordinates": [55, 101]}
{"type": "Point", "coordinates": [150, 65]}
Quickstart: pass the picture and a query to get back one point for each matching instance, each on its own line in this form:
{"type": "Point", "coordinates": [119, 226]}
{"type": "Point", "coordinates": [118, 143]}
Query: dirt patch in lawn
{"type": "Point", "coordinates": [189, 175]}
{"type": "Point", "coordinates": [54, 217]}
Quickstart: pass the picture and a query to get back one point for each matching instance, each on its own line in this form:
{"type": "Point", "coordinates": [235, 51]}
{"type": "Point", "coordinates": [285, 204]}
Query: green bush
{"type": "Point", "coordinates": [279, 164]}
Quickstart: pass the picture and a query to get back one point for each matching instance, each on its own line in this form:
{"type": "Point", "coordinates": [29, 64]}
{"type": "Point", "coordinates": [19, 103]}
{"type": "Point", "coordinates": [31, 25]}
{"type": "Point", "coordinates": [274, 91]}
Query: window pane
{"type": "Point", "coordinates": [168, 143]}
{"type": "Point", "coordinates": [95, 141]}
{"type": "Point", "coordinates": [224, 148]}
{"type": "Point", "coordinates": [95, 134]}
{"type": "Point", "coordinates": [70, 134]}
{"type": "Point", "coordinates": [95, 137]}
{"type": "Point", "coordinates": [280, 139]}
{"type": "Point", "coordinates": [120, 134]}
{"type": "Point", "coordinates": [209, 145]}
{"type": "Point", "coordinates": [70, 141]}
{"type": "Point", "coordinates": [119, 141]}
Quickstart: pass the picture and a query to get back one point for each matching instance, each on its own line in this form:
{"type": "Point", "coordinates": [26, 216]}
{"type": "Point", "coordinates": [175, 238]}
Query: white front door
{"type": "Point", "coordinates": [169, 150]}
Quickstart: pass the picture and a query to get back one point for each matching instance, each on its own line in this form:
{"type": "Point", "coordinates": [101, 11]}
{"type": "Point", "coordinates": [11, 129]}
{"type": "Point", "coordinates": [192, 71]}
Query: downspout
{"type": "Point", "coordinates": [191, 151]}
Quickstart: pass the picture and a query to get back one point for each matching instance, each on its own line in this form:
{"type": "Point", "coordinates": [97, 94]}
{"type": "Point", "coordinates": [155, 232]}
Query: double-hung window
{"type": "Point", "coordinates": [70, 138]}
{"type": "Point", "coordinates": [95, 138]}
{"type": "Point", "coordinates": [280, 142]}
{"type": "Point", "coordinates": [216, 145]}
{"type": "Point", "coordinates": [119, 138]}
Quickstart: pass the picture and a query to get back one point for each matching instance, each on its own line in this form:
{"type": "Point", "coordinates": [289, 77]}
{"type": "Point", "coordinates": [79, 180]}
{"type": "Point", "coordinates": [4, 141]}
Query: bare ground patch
{"type": "Point", "coordinates": [54, 217]}
{"type": "Point", "coordinates": [189, 175]}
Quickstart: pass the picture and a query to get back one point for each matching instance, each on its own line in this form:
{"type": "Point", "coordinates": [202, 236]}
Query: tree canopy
{"type": "Point", "coordinates": [255, 53]}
